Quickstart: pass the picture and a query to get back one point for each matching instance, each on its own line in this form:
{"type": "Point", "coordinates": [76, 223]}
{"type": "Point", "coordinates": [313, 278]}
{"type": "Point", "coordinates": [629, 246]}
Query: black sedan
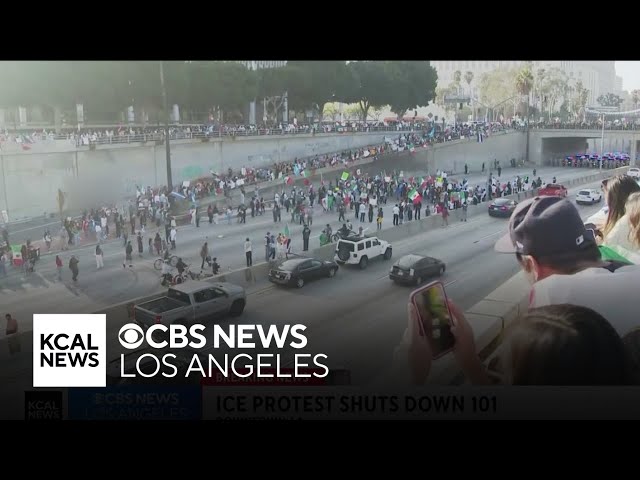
{"type": "Point", "coordinates": [414, 269]}
{"type": "Point", "coordinates": [502, 207]}
{"type": "Point", "coordinates": [301, 270]}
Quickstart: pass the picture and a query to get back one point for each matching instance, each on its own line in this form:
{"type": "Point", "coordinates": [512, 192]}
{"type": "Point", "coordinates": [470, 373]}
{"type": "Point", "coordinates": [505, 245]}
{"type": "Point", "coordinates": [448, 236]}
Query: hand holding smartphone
{"type": "Point", "coordinates": [432, 306]}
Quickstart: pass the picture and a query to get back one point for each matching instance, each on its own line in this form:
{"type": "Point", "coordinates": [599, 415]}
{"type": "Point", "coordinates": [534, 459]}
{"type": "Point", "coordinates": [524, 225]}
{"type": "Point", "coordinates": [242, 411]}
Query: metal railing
{"type": "Point", "coordinates": [585, 126]}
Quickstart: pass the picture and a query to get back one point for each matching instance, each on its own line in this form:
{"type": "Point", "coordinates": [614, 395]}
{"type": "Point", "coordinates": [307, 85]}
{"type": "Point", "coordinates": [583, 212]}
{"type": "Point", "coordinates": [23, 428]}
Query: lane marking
{"type": "Point", "coordinates": [489, 236]}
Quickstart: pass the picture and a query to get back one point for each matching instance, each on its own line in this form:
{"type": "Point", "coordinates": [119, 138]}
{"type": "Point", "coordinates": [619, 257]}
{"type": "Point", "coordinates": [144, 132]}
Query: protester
{"type": "Point", "coordinates": [128, 255]}
{"type": "Point", "coordinates": [99, 257]}
{"type": "Point", "coordinates": [204, 253]}
{"type": "Point", "coordinates": [73, 266]}
{"type": "Point", "coordinates": [247, 252]}
{"type": "Point", "coordinates": [59, 267]}
{"type": "Point", "coordinates": [12, 325]}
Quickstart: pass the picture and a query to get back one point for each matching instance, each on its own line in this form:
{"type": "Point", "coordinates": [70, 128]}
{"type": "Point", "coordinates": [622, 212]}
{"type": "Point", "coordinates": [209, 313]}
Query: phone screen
{"type": "Point", "coordinates": [433, 309]}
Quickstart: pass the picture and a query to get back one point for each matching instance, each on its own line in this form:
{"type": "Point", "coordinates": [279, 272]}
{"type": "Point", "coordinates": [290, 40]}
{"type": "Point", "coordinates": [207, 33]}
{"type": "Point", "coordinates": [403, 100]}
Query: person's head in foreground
{"type": "Point", "coordinates": [553, 345]}
{"type": "Point", "coordinates": [548, 237]}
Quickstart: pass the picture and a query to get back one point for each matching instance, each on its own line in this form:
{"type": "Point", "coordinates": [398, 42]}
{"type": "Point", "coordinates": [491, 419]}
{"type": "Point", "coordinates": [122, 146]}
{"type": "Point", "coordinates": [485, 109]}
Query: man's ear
{"type": "Point", "coordinates": [529, 264]}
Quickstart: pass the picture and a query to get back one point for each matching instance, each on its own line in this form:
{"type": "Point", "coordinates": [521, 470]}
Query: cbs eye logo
{"type": "Point", "coordinates": [131, 336]}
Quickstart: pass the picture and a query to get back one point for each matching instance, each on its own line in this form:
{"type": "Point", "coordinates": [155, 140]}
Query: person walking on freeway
{"type": "Point", "coordinates": [128, 255]}
{"type": "Point", "coordinates": [173, 235]}
{"type": "Point", "coordinates": [99, 257]}
{"type": "Point", "coordinates": [204, 253]}
{"type": "Point", "coordinates": [247, 252]}
{"type": "Point", "coordinates": [140, 245]}
{"type": "Point", "coordinates": [73, 266]}
{"type": "Point", "coordinates": [306, 233]}
{"type": "Point", "coordinates": [59, 267]}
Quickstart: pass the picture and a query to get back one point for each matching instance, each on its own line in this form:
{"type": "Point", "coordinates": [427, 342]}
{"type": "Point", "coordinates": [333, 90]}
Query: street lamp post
{"type": "Point", "coordinates": [602, 143]}
{"type": "Point", "coordinates": [166, 128]}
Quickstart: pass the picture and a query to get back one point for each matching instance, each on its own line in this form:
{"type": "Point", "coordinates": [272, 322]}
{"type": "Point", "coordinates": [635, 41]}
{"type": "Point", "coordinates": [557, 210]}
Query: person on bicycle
{"type": "Point", "coordinates": [166, 272]}
{"type": "Point", "coordinates": [328, 231]}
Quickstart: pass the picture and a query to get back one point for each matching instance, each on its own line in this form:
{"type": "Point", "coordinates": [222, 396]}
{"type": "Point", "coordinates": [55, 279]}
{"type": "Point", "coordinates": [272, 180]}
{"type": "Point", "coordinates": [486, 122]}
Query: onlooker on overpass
{"type": "Point", "coordinates": [624, 237]}
{"type": "Point", "coordinates": [562, 261]}
{"type": "Point", "coordinates": [552, 345]}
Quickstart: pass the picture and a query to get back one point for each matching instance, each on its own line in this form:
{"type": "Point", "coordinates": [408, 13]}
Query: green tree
{"type": "Point", "coordinates": [457, 77]}
{"type": "Point", "coordinates": [524, 84]}
{"type": "Point", "coordinates": [581, 99]}
{"type": "Point", "coordinates": [315, 84]}
{"type": "Point", "coordinates": [368, 84]}
{"type": "Point", "coordinates": [498, 90]}
{"type": "Point", "coordinates": [413, 85]}
{"type": "Point", "coordinates": [609, 100]}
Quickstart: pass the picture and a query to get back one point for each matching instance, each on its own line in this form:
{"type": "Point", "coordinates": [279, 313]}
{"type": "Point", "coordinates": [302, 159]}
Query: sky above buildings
{"type": "Point", "coordinates": [630, 73]}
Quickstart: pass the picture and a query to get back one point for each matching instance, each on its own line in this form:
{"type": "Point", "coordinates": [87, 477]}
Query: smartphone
{"type": "Point", "coordinates": [432, 306]}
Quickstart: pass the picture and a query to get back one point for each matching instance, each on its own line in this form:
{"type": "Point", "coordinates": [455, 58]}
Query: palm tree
{"type": "Point", "coordinates": [524, 84]}
{"type": "Point", "coordinates": [635, 97]}
{"type": "Point", "coordinates": [468, 77]}
{"type": "Point", "coordinates": [457, 77]}
{"type": "Point", "coordinates": [540, 78]}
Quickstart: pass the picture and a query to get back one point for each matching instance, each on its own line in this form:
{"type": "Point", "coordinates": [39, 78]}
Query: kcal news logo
{"type": "Point", "coordinates": [69, 350]}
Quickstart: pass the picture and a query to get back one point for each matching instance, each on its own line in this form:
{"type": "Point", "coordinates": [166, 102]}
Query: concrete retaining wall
{"type": "Point", "coordinates": [29, 180]}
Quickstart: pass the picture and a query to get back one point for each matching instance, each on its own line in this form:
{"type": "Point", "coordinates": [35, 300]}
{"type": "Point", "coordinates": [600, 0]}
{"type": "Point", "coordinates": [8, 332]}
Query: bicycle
{"type": "Point", "coordinates": [173, 261]}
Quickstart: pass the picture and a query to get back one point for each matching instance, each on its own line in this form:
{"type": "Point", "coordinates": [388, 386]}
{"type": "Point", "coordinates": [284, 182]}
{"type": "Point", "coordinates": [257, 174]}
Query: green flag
{"type": "Point", "coordinates": [345, 176]}
{"type": "Point", "coordinates": [286, 230]}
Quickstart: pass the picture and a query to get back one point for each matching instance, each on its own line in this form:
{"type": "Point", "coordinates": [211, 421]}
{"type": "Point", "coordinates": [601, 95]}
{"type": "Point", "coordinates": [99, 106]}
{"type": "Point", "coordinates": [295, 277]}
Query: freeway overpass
{"type": "Point", "coordinates": [545, 144]}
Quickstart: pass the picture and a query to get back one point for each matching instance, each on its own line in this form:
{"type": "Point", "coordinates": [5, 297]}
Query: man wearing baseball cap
{"type": "Point", "coordinates": [561, 259]}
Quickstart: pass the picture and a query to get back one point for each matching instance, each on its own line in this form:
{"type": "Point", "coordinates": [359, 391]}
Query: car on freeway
{"type": "Point", "coordinates": [502, 207]}
{"type": "Point", "coordinates": [413, 269]}
{"type": "Point", "coordinates": [634, 172]}
{"type": "Point", "coordinates": [588, 196]}
{"type": "Point", "coordinates": [298, 271]}
{"type": "Point", "coordinates": [192, 302]}
{"type": "Point", "coordinates": [357, 250]}
{"type": "Point", "coordinates": [553, 189]}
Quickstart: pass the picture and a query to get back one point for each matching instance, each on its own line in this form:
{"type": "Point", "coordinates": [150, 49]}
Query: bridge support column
{"type": "Point", "coordinates": [633, 150]}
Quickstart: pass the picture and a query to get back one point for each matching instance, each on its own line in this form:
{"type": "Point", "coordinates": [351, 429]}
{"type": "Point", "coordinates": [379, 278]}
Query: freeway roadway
{"type": "Point", "coordinates": [43, 292]}
{"type": "Point", "coordinates": [356, 318]}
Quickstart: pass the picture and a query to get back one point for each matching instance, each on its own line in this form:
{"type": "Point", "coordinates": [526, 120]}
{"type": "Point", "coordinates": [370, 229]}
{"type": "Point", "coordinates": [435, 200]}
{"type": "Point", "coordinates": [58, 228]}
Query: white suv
{"type": "Point", "coordinates": [634, 172]}
{"type": "Point", "coordinates": [359, 250]}
{"type": "Point", "coordinates": [588, 196]}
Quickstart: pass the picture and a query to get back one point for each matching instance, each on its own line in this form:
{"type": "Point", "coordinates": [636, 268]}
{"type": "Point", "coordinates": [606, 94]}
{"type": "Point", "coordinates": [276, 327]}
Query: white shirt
{"type": "Point", "coordinates": [396, 210]}
{"type": "Point", "coordinates": [612, 294]}
{"type": "Point", "coordinates": [618, 240]}
{"type": "Point", "coordinates": [173, 234]}
{"type": "Point", "coordinates": [247, 246]}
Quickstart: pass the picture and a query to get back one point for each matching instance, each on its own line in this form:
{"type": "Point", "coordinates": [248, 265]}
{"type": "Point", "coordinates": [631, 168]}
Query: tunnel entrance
{"type": "Point", "coordinates": [554, 150]}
